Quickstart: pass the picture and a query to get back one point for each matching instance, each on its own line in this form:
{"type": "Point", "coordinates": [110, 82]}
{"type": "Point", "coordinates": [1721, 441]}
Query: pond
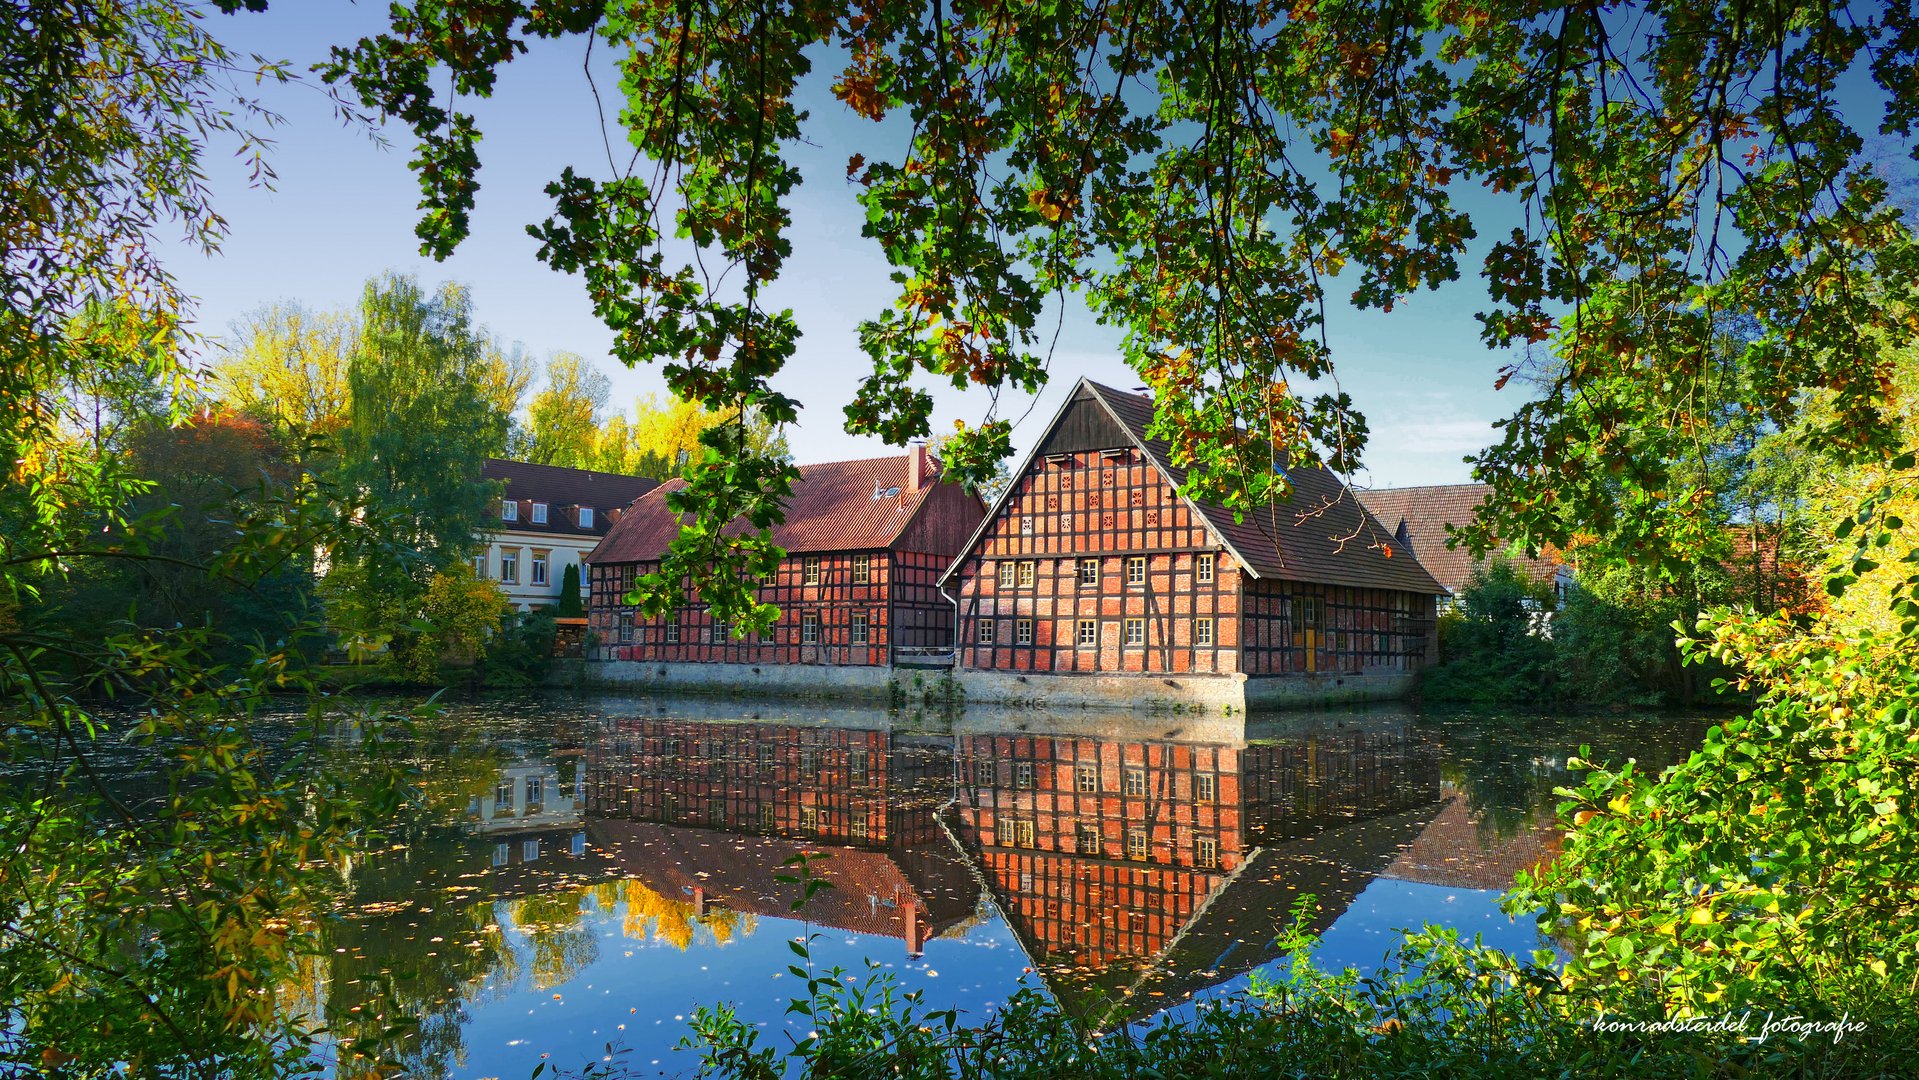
{"type": "Point", "coordinates": [585, 871]}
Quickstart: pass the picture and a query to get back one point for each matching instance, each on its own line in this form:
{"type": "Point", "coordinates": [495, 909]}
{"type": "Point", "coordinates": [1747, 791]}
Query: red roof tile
{"type": "Point", "coordinates": [836, 506]}
{"type": "Point", "coordinates": [1423, 514]}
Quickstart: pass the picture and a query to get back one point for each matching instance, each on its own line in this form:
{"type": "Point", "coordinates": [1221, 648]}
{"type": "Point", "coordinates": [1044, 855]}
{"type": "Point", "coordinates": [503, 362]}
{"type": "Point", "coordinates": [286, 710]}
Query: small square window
{"type": "Point", "coordinates": [1027, 572]}
{"type": "Point", "coordinates": [1134, 781]}
{"type": "Point", "coordinates": [1203, 568]}
{"type": "Point", "coordinates": [1022, 631]}
{"type": "Point", "coordinates": [1088, 838]}
{"type": "Point", "coordinates": [1135, 569]}
{"type": "Point", "coordinates": [539, 513]}
{"type": "Point", "coordinates": [810, 570]}
{"type": "Point", "coordinates": [985, 634]}
{"type": "Point", "coordinates": [1026, 526]}
{"type": "Point", "coordinates": [1136, 631]}
{"type": "Point", "coordinates": [1206, 853]}
{"type": "Point", "coordinates": [1202, 631]}
{"type": "Point", "coordinates": [1088, 632]}
{"type": "Point", "coordinates": [1023, 774]}
{"type": "Point", "coordinates": [1089, 571]}
{"type": "Point", "coordinates": [1087, 778]}
{"type": "Point", "coordinates": [810, 628]}
{"type": "Point", "coordinates": [722, 631]}
{"type": "Point", "coordinates": [1026, 831]}
{"type": "Point", "coordinates": [862, 569]}
{"type": "Point", "coordinates": [509, 510]}
{"type": "Point", "coordinates": [586, 517]}
{"type": "Point", "coordinates": [859, 628]}
{"type": "Point", "coordinates": [1007, 570]}
{"type": "Point", "coordinates": [1136, 843]}
{"type": "Point", "coordinates": [1206, 787]}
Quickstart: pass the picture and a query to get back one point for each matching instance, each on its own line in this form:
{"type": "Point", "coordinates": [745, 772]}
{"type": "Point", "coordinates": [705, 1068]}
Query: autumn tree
{"type": "Point", "coordinates": [563, 419]}
{"type": "Point", "coordinates": [287, 366]}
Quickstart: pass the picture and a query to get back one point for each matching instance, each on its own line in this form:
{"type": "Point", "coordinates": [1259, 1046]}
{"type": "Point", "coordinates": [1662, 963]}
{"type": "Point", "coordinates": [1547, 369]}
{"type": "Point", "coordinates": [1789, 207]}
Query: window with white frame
{"type": "Point", "coordinates": [540, 560]}
{"type": "Point", "coordinates": [510, 566]}
{"type": "Point", "coordinates": [1133, 781]}
{"type": "Point", "coordinates": [539, 513]}
{"type": "Point", "coordinates": [586, 517]}
{"type": "Point", "coordinates": [509, 510]}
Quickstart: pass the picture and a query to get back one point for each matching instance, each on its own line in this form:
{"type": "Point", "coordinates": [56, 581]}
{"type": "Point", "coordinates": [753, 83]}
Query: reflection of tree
{"type": "Point", "coordinates": [553, 927]}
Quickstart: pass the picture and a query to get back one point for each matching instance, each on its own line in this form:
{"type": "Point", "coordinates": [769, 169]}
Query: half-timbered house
{"type": "Point", "coordinates": [858, 590]}
{"type": "Point", "coordinates": [1094, 580]}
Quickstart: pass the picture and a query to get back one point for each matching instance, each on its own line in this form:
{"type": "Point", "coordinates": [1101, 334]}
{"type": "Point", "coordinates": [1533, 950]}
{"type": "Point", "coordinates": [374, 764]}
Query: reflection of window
{"type": "Point", "coordinates": [535, 791]}
{"type": "Point", "coordinates": [1005, 831]}
{"type": "Point", "coordinates": [1206, 787]}
{"type": "Point", "coordinates": [1025, 832]}
{"type": "Point", "coordinates": [1027, 572]}
{"type": "Point", "coordinates": [1136, 631]}
{"type": "Point", "coordinates": [1022, 631]}
{"type": "Point", "coordinates": [1203, 568]}
{"type": "Point", "coordinates": [1007, 572]}
{"type": "Point", "coordinates": [810, 818]}
{"type": "Point", "coordinates": [539, 567]}
{"type": "Point", "coordinates": [810, 628]}
{"type": "Point", "coordinates": [861, 826]}
{"type": "Point", "coordinates": [539, 513]}
{"type": "Point", "coordinates": [501, 853]}
{"type": "Point", "coordinates": [862, 569]}
{"type": "Point", "coordinates": [1088, 778]}
{"type": "Point", "coordinates": [810, 570]}
{"type": "Point", "coordinates": [716, 813]}
{"type": "Point", "coordinates": [985, 634]}
{"type": "Point", "coordinates": [578, 846]}
{"type": "Point", "coordinates": [859, 628]}
{"type": "Point", "coordinates": [1088, 838]}
{"type": "Point", "coordinates": [1134, 781]}
{"type": "Point", "coordinates": [1136, 843]}
{"type": "Point", "coordinates": [529, 850]}
{"type": "Point", "coordinates": [1089, 571]}
{"type": "Point", "coordinates": [856, 767]}
{"type": "Point", "coordinates": [1023, 774]}
{"type": "Point", "coordinates": [1206, 852]}
{"type": "Point", "coordinates": [1135, 569]}
{"type": "Point", "coordinates": [509, 510]}
{"type": "Point", "coordinates": [1202, 631]}
{"type": "Point", "coordinates": [503, 794]}
{"type": "Point", "coordinates": [766, 817]}
{"type": "Point", "coordinates": [586, 517]}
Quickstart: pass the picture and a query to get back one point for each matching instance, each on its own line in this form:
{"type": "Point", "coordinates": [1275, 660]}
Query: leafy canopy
{"type": "Point", "coordinates": [1208, 177]}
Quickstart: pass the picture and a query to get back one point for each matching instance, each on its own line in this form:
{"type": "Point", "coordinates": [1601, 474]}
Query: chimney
{"type": "Point", "coordinates": [914, 929]}
{"type": "Point", "coordinates": [916, 467]}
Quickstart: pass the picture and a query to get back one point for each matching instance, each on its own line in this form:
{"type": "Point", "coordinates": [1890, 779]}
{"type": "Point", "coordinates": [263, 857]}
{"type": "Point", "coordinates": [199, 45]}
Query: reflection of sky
{"type": "Point", "coordinates": [643, 998]}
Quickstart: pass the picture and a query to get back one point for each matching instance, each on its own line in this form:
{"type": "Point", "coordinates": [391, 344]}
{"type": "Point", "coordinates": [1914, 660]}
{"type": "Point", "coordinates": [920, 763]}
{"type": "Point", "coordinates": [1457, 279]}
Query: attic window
{"type": "Point", "coordinates": [885, 493]}
{"type": "Point", "coordinates": [1058, 459]}
{"type": "Point", "coordinates": [509, 510]}
{"type": "Point", "coordinates": [539, 513]}
{"type": "Point", "coordinates": [1117, 452]}
{"type": "Point", "coordinates": [586, 517]}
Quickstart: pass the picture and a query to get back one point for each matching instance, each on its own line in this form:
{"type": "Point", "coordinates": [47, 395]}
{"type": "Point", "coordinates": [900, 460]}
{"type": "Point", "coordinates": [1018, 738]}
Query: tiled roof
{"type": "Point", "coordinates": [833, 508]}
{"type": "Point", "coordinates": [562, 488]}
{"type": "Point", "coordinates": [1424, 512]}
{"type": "Point", "coordinates": [1322, 534]}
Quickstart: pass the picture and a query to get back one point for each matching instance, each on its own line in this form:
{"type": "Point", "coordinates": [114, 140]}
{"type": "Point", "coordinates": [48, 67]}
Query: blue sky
{"type": "Point", "coordinates": [343, 209]}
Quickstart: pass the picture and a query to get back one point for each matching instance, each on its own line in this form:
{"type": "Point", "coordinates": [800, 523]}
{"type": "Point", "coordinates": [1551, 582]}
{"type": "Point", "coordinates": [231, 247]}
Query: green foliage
{"type": "Point", "coordinates": [1495, 646]}
{"type": "Point", "coordinates": [459, 613]}
{"type": "Point", "coordinates": [570, 606]}
{"type": "Point", "coordinates": [563, 419]}
{"type": "Point", "coordinates": [520, 654]}
{"type": "Point", "coordinates": [1643, 176]}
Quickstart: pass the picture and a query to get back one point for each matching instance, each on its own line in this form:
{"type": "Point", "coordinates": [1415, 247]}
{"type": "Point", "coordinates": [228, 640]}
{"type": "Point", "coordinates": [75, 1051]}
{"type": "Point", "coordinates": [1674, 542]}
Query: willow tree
{"type": "Point", "coordinates": [1208, 177]}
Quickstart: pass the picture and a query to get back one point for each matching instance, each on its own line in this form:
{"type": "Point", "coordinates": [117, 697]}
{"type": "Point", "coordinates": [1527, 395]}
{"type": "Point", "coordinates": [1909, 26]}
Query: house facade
{"type": "Point", "coordinates": [1417, 518]}
{"type": "Point", "coordinates": [866, 542]}
{"type": "Point", "coordinates": [549, 518]}
{"type": "Point", "coordinates": [1094, 581]}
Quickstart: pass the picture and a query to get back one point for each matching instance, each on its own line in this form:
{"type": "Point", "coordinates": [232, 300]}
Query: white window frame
{"type": "Point", "coordinates": [510, 566]}
{"type": "Point", "coordinates": [509, 510]}
{"type": "Point", "coordinates": [538, 569]}
{"type": "Point", "coordinates": [539, 513]}
{"type": "Point", "coordinates": [586, 517]}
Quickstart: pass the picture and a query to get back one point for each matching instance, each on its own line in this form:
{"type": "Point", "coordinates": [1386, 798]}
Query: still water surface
{"type": "Point", "coordinates": [585, 871]}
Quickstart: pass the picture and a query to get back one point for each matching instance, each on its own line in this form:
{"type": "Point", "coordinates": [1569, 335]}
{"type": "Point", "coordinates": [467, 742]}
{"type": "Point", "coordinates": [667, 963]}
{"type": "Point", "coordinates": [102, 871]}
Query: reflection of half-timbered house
{"type": "Point", "coordinates": [866, 542]}
{"type": "Point", "coordinates": [1136, 871]}
{"type": "Point", "coordinates": [712, 811]}
{"type": "Point", "coordinates": [1094, 580]}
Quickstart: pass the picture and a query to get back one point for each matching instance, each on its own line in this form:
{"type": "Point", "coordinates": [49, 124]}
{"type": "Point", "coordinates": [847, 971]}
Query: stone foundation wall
{"type": "Point", "coordinates": [749, 680]}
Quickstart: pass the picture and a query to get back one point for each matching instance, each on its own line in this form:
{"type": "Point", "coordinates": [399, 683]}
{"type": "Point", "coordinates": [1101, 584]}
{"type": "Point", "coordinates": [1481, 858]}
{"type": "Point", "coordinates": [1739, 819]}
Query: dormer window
{"type": "Point", "coordinates": [586, 517]}
{"type": "Point", "coordinates": [539, 513]}
{"type": "Point", "coordinates": [509, 510]}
